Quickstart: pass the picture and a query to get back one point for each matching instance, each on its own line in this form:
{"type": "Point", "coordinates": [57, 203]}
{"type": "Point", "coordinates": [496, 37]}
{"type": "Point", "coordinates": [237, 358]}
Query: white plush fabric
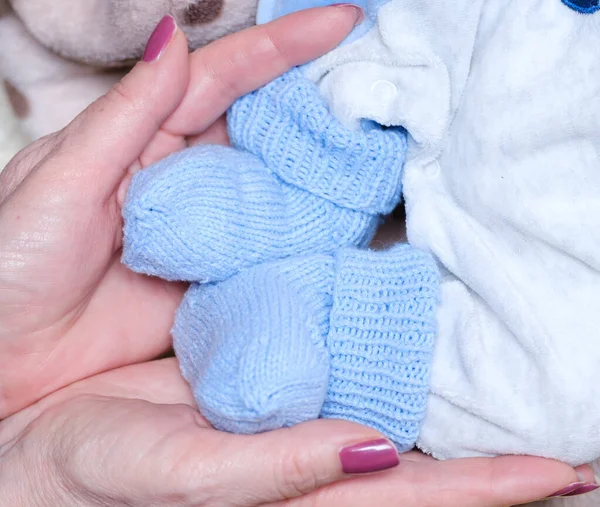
{"type": "Point", "coordinates": [502, 100]}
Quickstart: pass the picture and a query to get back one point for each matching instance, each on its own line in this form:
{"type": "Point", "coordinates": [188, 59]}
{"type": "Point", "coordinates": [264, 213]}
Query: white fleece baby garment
{"type": "Point", "coordinates": [502, 186]}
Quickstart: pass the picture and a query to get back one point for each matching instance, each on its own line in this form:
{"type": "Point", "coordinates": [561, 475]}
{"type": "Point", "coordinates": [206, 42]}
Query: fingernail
{"type": "Point", "coordinates": [360, 14]}
{"type": "Point", "coordinates": [122, 190]}
{"type": "Point", "coordinates": [369, 457]}
{"type": "Point", "coordinates": [160, 38]}
{"type": "Point", "coordinates": [583, 490]}
{"type": "Point", "coordinates": [124, 186]}
{"type": "Point", "coordinates": [568, 489]}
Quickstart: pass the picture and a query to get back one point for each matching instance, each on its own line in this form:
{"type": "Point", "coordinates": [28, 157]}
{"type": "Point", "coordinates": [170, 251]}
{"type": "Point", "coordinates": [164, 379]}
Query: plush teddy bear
{"type": "Point", "coordinates": [483, 115]}
{"type": "Point", "coordinates": [60, 55]}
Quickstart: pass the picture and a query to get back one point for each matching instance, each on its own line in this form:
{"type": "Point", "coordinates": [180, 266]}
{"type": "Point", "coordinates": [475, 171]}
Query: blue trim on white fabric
{"type": "Point", "coordinates": [583, 6]}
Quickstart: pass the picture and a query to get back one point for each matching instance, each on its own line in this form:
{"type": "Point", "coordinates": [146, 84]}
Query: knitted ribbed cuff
{"type": "Point", "coordinates": [381, 339]}
{"type": "Point", "coordinates": [288, 124]}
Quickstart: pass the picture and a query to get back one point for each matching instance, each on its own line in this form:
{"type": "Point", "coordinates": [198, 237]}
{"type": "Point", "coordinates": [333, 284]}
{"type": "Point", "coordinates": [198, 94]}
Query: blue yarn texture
{"type": "Point", "coordinates": [296, 182]}
{"type": "Point", "coordinates": [288, 318]}
{"type": "Point", "coordinates": [346, 336]}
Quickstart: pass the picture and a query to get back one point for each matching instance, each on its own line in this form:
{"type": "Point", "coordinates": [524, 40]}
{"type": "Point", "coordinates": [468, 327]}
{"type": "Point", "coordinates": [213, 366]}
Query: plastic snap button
{"type": "Point", "coordinates": [433, 170]}
{"type": "Point", "coordinates": [384, 91]}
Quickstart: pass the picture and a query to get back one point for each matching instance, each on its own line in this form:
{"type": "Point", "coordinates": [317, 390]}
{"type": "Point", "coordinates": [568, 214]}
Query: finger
{"type": "Point", "coordinates": [244, 61]}
{"type": "Point", "coordinates": [240, 63]}
{"type": "Point", "coordinates": [109, 136]}
{"type": "Point", "coordinates": [215, 134]}
{"type": "Point", "coordinates": [586, 473]}
{"type": "Point", "coordinates": [480, 482]}
{"type": "Point", "coordinates": [288, 463]}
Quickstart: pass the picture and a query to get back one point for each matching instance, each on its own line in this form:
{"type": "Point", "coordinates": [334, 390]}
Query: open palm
{"type": "Point", "coordinates": [156, 449]}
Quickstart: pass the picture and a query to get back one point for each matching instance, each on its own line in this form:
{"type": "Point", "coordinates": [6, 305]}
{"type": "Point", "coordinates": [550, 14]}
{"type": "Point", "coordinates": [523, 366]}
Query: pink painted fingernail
{"type": "Point", "coordinates": [160, 38]}
{"type": "Point", "coordinates": [369, 457]}
{"type": "Point", "coordinates": [583, 490]}
{"type": "Point", "coordinates": [568, 489]}
{"type": "Point", "coordinates": [360, 14]}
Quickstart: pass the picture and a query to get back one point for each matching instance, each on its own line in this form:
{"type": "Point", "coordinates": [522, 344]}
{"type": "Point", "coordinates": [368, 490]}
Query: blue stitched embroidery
{"type": "Point", "coordinates": [583, 6]}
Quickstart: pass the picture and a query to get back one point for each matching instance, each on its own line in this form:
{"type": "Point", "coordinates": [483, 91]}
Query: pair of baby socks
{"type": "Point", "coordinates": [288, 318]}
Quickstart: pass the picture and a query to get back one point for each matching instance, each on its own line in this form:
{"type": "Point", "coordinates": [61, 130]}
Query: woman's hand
{"type": "Point", "coordinates": [68, 308]}
{"type": "Point", "coordinates": [132, 437]}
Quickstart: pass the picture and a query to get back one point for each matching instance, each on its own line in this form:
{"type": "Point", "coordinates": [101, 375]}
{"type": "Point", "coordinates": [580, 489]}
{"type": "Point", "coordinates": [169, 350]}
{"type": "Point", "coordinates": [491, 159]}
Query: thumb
{"type": "Point", "coordinates": [97, 147]}
{"type": "Point", "coordinates": [284, 464]}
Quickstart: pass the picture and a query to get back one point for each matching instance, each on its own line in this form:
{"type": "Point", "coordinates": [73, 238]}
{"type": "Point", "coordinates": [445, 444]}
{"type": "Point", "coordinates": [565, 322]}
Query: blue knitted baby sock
{"type": "Point", "coordinates": [348, 336]}
{"type": "Point", "coordinates": [298, 183]}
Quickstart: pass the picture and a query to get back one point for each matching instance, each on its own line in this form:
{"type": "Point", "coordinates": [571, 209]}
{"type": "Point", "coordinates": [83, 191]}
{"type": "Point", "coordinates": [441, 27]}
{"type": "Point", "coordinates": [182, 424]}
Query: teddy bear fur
{"type": "Point", "coordinates": [12, 137]}
{"type": "Point", "coordinates": [60, 55]}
